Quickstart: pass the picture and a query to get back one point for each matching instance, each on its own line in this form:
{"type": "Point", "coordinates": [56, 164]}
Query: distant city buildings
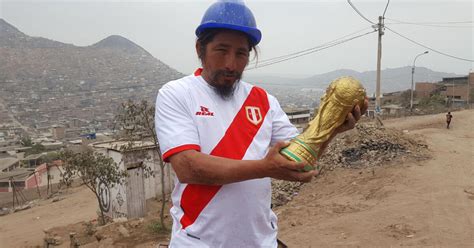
{"type": "Point", "coordinates": [455, 90]}
{"type": "Point", "coordinates": [299, 117]}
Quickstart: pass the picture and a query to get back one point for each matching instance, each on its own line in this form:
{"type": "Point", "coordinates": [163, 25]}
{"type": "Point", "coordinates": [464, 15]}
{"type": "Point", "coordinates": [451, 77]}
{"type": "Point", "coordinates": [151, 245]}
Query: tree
{"type": "Point", "coordinates": [405, 97]}
{"type": "Point", "coordinates": [49, 159]}
{"type": "Point", "coordinates": [26, 141]}
{"type": "Point", "coordinates": [92, 168]}
{"type": "Point", "coordinates": [135, 122]}
{"type": "Point", "coordinates": [35, 149]}
{"type": "Point", "coordinates": [432, 101]}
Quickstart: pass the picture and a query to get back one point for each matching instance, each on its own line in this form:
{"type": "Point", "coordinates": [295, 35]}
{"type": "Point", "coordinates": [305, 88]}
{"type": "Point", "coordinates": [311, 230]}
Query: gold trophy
{"type": "Point", "coordinates": [340, 98]}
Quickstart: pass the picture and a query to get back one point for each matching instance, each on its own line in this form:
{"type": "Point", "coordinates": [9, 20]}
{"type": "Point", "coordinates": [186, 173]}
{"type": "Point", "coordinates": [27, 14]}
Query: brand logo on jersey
{"type": "Point", "coordinates": [205, 111]}
{"type": "Point", "coordinates": [253, 114]}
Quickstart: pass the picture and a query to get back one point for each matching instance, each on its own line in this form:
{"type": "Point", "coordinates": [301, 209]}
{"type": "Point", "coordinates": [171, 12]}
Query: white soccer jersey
{"type": "Point", "coordinates": [190, 115]}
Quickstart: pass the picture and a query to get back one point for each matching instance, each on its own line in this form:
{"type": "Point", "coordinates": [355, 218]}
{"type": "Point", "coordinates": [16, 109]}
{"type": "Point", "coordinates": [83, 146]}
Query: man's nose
{"type": "Point", "coordinates": [231, 62]}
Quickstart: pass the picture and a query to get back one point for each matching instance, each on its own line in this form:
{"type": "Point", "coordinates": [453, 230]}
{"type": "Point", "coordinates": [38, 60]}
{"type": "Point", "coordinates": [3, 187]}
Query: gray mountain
{"type": "Point", "coordinates": [392, 79]}
{"type": "Point", "coordinates": [43, 80]}
{"type": "Point", "coordinates": [11, 37]}
{"type": "Point", "coordinates": [120, 43]}
{"type": "Point", "coordinates": [114, 58]}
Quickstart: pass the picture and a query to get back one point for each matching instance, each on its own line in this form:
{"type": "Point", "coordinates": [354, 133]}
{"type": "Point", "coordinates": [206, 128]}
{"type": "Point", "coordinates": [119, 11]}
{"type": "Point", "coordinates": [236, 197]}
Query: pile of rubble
{"type": "Point", "coordinates": [24, 206]}
{"type": "Point", "coordinates": [367, 145]}
{"type": "Point", "coordinates": [284, 191]}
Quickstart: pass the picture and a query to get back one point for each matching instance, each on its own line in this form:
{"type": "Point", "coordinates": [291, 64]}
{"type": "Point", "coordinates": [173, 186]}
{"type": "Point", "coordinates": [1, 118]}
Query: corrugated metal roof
{"type": "Point", "coordinates": [122, 145]}
{"type": "Point", "coordinates": [17, 174]}
{"type": "Point", "coordinates": [7, 162]}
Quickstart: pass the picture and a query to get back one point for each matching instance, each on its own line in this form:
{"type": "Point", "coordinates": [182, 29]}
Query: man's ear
{"type": "Point", "coordinates": [198, 49]}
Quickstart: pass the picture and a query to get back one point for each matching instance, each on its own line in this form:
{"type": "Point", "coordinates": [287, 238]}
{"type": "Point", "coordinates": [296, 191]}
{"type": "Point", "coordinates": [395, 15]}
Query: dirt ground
{"type": "Point", "coordinates": [426, 203]}
{"type": "Point", "coordinates": [25, 228]}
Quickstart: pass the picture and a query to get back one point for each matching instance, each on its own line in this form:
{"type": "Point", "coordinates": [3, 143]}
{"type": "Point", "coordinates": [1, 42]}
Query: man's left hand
{"type": "Point", "coordinates": [352, 118]}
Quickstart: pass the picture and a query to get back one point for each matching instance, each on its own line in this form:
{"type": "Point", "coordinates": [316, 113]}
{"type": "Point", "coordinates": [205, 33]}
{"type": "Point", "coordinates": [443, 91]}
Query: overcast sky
{"type": "Point", "coordinates": [166, 30]}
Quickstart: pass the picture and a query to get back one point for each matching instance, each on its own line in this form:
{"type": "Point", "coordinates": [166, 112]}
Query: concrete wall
{"type": "Point", "coordinates": [33, 181]}
{"type": "Point", "coordinates": [55, 175]}
{"type": "Point", "coordinates": [458, 92]}
{"type": "Point", "coordinates": [424, 89]}
{"type": "Point", "coordinates": [114, 200]}
{"type": "Point", "coordinates": [58, 132]}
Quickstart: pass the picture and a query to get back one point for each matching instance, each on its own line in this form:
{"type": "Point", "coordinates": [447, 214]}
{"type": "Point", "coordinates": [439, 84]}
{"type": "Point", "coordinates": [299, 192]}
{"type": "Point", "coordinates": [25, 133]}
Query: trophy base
{"type": "Point", "coordinates": [299, 151]}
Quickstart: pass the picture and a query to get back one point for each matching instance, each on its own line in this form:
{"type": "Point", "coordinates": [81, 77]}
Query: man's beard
{"type": "Point", "coordinates": [225, 91]}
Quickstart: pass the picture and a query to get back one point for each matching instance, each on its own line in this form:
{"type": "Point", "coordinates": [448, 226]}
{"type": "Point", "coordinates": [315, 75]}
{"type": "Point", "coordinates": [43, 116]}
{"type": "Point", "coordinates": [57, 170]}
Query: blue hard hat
{"type": "Point", "coordinates": [232, 15]}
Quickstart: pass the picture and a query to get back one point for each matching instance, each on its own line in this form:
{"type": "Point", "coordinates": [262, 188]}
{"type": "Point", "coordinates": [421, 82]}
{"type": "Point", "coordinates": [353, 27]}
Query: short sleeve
{"type": "Point", "coordinates": [174, 124]}
{"type": "Point", "coordinates": [282, 129]}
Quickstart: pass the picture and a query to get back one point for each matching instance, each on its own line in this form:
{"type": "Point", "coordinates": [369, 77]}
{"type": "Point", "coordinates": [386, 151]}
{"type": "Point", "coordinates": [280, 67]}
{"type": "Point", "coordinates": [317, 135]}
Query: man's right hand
{"type": "Point", "coordinates": [277, 166]}
{"type": "Point", "coordinates": [194, 167]}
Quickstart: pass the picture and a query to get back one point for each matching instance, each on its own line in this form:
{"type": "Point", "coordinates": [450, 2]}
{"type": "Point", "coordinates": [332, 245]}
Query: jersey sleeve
{"type": "Point", "coordinates": [282, 129]}
{"type": "Point", "coordinates": [174, 124]}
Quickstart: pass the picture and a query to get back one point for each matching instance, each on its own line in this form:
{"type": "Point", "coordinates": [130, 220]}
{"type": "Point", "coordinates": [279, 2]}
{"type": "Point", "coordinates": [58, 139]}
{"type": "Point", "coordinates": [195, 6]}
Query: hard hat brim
{"type": "Point", "coordinates": [254, 34]}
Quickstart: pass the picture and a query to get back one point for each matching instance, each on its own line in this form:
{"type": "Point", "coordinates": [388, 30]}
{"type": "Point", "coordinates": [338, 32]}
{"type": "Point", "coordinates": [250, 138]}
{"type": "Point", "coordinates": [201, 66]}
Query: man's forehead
{"type": "Point", "coordinates": [231, 39]}
{"type": "Point", "coordinates": [228, 45]}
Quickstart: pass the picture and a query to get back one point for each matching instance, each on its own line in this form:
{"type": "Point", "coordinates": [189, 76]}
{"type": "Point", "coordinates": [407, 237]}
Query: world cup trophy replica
{"type": "Point", "coordinates": [341, 97]}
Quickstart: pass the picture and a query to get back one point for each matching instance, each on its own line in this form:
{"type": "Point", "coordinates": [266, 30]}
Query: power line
{"type": "Point", "coordinates": [309, 52]}
{"type": "Point", "coordinates": [386, 6]}
{"type": "Point", "coordinates": [429, 48]}
{"type": "Point", "coordinates": [380, 26]}
{"type": "Point", "coordinates": [305, 50]}
{"type": "Point", "coordinates": [358, 12]}
{"type": "Point", "coordinates": [432, 25]}
{"type": "Point", "coordinates": [408, 22]}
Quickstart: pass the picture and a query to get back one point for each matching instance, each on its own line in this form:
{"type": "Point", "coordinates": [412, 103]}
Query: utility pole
{"type": "Point", "coordinates": [452, 97]}
{"type": "Point", "coordinates": [412, 82]}
{"type": "Point", "coordinates": [380, 27]}
{"type": "Point", "coordinates": [469, 80]}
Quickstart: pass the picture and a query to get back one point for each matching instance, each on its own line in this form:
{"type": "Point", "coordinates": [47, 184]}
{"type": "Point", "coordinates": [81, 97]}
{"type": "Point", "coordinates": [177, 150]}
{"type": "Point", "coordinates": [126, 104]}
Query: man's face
{"type": "Point", "coordinates": [224, 61]}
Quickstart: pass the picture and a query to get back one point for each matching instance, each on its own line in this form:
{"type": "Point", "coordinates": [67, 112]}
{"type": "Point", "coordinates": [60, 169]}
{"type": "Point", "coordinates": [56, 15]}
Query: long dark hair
{"type": "Point", "coordinates": [208, 35]}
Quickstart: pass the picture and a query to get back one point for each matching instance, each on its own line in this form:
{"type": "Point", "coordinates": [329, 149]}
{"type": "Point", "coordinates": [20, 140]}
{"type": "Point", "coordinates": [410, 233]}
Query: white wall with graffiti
{"type": "Point", "coordinates": [129, 199]}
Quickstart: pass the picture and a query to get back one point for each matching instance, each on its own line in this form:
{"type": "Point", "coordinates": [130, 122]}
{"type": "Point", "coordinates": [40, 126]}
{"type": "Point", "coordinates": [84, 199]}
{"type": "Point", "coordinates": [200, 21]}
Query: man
{"type": "Point", "coordinates": [449, 116]}
{"type": "Point", "coordinates": [223, 137]}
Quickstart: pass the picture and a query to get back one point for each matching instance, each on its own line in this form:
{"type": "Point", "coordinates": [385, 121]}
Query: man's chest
{"type": "Point", "coordinates": [236, 120]}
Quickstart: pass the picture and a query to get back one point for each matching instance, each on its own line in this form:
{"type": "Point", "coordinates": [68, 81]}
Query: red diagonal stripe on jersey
{"type": "Point", "coordinates": [198, 71]}
{"type": "Point", "coordinates": [234, 145]}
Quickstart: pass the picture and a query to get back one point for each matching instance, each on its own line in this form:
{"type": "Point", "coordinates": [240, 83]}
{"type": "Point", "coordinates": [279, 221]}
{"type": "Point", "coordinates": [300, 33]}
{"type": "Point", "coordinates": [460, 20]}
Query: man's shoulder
{"type": "Point", "coordinates": [177, 90]}
{"type": "Point", "coordinates": [250, 86]}
{"type": "Point", "coordinates": [271, 99]}
{"type": "Point", "coordinates": [184, 82]}
{"type": "Point", "coordinates": [180, 87]}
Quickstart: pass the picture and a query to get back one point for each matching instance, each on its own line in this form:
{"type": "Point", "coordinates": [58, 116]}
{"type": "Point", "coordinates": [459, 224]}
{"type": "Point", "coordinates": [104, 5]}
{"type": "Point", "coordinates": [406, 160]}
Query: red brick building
{"type": "Point", "coordinates": [452, 88]}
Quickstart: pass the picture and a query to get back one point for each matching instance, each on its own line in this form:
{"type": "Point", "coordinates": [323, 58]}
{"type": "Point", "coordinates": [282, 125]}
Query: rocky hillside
{"type": "Point", "coordinates": [113, 58]}
{"type": "Point", "coordinates": [41, 77]}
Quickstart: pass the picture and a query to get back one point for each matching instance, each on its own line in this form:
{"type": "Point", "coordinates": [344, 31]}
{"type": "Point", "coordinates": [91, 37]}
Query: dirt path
{"type": "Point", "coordinates": [12, 117]}
{"type": "Point", "coordinates": [25, 228]}
{"type": "Point", "coordinates": [428, 203]}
